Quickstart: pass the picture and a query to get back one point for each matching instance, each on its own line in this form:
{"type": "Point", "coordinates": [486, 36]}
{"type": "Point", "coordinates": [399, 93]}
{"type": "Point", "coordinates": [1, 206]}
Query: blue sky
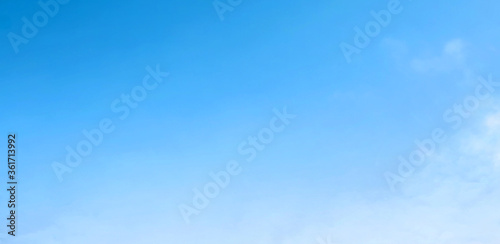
{"type": "Point", "coordinates": [322, 176]}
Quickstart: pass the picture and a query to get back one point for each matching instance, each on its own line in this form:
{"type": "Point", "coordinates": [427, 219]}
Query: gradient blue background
{"type": "Point", "coordinates": [353, 119]}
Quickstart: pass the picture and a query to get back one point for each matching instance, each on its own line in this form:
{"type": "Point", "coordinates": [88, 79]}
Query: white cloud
{"type": "Point", "coordinates": [454, 48]}
{"type": "Point", "coordinates": [453, 200]}
{"type": "Point", "coordinates": [452, 57]}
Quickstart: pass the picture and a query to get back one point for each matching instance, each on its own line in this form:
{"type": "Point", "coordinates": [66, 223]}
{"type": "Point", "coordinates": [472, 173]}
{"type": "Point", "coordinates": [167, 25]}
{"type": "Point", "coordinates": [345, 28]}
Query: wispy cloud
{"type": "Point", "coordinates": [452, 57]}
{"type": "Point", "coordinates": [452, 201]}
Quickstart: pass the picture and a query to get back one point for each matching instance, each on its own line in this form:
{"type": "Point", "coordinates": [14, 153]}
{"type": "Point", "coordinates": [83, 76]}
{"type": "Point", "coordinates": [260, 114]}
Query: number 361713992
{"type": "Point", "coordinates": [11, 153]}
